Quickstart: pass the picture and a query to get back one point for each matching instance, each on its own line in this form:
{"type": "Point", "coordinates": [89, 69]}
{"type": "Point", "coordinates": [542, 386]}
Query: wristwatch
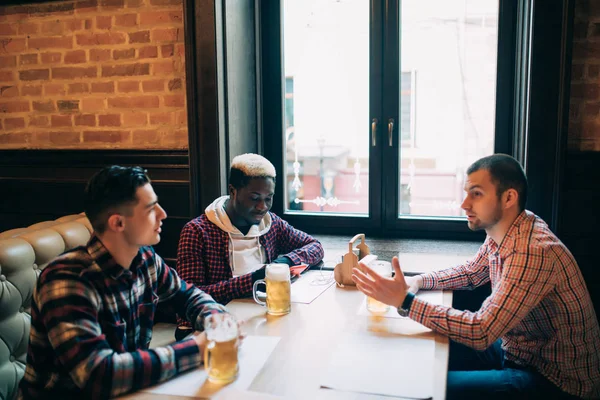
{"type": "Point", "coordinates": [405, 306]}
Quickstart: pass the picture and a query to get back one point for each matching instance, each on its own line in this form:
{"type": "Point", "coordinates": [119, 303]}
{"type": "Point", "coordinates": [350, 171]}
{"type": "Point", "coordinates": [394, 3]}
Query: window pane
{"type": "Point", "coordinates": [448, 98]}
{"type": "Point", "coordinates": [326, 63]}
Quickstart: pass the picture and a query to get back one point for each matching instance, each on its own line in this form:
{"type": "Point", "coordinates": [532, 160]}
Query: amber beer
{"type": "Point", "coordinates": [221, 354]}
{"type": "Point", "coordinates": [277, 279]}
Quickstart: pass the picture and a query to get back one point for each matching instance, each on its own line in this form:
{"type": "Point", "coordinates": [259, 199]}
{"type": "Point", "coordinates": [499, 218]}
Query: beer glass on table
{"type": "Point", "coordinates": [277, 280]}
{"type": "Point", "coordinates": [221, 353]}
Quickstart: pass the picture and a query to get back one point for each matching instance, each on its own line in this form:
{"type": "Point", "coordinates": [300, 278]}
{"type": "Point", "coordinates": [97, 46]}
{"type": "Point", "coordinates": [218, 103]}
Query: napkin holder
{"type": "Point", "coordinates": [342, 272]}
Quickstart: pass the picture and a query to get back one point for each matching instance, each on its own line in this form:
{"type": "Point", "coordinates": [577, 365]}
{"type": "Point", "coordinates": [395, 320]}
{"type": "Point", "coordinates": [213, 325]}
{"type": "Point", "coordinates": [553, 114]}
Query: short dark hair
{"type": "Point", "coordinates": [111, 188]}
{"type": "Point", "coordinates": [506, 173]}
{"type": "Point", "coordinates": [238, 179]}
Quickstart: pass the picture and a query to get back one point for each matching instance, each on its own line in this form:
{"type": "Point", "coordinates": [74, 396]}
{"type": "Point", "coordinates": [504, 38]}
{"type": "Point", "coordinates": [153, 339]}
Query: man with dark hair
{"type": "Point", "coordinates": [224, 250]}
{"type": "Point", "coordinates": [93, 307]}
{"type": "Point", "coordinates": [536, 335]}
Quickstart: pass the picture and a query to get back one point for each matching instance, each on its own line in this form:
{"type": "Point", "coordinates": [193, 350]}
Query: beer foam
{"type": "Point", "coordinates": [222, 334]}
{"type": "Point", "coordinates": [278, 272]}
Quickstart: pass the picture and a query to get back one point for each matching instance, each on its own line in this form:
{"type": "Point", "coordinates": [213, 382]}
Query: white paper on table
{"type": "Point", "coordinates": [253, 354]}
{"type": "Point", "coordinates": [430, 296]}
{"type": "Point", "coordinates": [382, 364]}
{"type": "Point", "coordinates": [311, 285]}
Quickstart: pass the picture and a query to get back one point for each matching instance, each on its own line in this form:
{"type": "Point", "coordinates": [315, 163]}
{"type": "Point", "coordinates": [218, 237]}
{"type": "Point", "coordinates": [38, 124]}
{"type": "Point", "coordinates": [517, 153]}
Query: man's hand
{"type": "Point", "coordinates": [390, 291]}
{"type": "Point", "coordinates": [201, 340]}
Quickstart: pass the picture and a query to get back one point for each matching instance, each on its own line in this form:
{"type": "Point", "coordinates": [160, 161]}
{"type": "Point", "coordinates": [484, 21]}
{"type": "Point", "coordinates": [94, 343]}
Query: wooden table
{"type": "Point", "coordinates": [308, 336]}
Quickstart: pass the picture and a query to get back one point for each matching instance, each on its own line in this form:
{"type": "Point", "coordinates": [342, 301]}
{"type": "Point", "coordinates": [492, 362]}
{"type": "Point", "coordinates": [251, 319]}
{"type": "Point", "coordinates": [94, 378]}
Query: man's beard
{"type": "Point", "coordinates": [480, 225]}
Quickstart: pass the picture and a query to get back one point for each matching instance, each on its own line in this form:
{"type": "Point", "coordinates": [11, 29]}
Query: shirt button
{"type": "Point", "coordinates": [35, 266]}
{"type": "Point", "coordinates": [2, 278]}
{"type": "Point", "coordinates": [21, 309]}
{"type": "Point", "coordinates": [11, 358]}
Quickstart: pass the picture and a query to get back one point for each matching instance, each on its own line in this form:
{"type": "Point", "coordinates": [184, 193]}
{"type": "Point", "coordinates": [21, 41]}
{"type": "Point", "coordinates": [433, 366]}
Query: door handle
{"type": "Point", "coordinates": [374, 132]}
{"type": "Point", "coordinates": [390, 131]}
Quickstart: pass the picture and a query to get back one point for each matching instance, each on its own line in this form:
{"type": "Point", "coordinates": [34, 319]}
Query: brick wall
{"type": "Point", "coordinates": [584, 120]}
{"type": "Point", "coordinates": [92, 74]}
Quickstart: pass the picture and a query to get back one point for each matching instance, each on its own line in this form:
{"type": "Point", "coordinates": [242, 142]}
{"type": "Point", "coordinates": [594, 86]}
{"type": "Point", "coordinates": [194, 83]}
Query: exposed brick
{"type": "Point", "coordinates": [123, 54]}
{"type": "Point", "coordinates": [55, 42]}
{"type": "Point", "coordinates": [34, 74]}
{"type": "Point", "coordinates": [180, 50]}
{"type": "Point", "coordinates": [99, 55]}
{"type": "Point", "coordinates": [139, 37]}
{"type": "Point", "coordinates": [167, 35]}
{"type": "Point", "coordinates": [148, 52]}
{"type": "Point", "coordinates": [154, 85]}
{"type": "Point", "coordinates": [128, 86]}
{"type": "Point", "coordinates": [88, 24]}
{"type": "Point", "coordinates": [135, 119]}
{"type": "Point", "coordinates": [176, 139]}
{"type": "Point", "coordinates": [14, 123]}
{"type": "Point", "coordinates": [12, 45]}
{"type": "Point", "coordinates": [134, 102]}
{"type": "Point", "coordinates": [79, 87]}
{"type": "Point", "coordinates": [55, 27]}
{"type": "Point", "coordinates": [73, 25]}
{"type": "Point", "coordinates": [44, 106]}
{"type": "Point", "coordinates": [175, 84]}
{"type": "Point", "coordinates": [9, 61]}
{"type": "Point", "coordinates": [92, 104]}
{"type": "Point", "coordinates": [15, 138]}
{"type": "Point", "coordinates": [145, 137]}
{"type": "Point", "coordinates": [177, 100]}
{"type": "Point", "coordinates": [63, 138]}
{"type": "Point", "coordinates": [591, 110]}
{"type": "Point", "coordinates": [28, 28]}
{"type": "Point", "coordinates": [39, 120]}
{"type": "Point", "coordinates": [103, 87]}
{"type": "Point", "coordinates": [8, 29]}
{"type": "Point", "coordinates": [61, 120]}
{"type": "Point", "coordinates": [51, 58]}
{"type": "Point", "coordinates": [125, 70]}
{"type": "Point", "coordinates": [74, 72]}
{"type": "Point", "coordinates": [163, 68]}
{"type": "Point", "coordinates": [14, 106]}
{"type": "Point", "coordinates": [103, 22]}
{"type": "Point", "coordinates": [583, 50]}
{"type": "Point", "coordinates": [595, 30]}
{"type": "Point", "coordinates": [585, 91]}
{"type": "Point", "coordinates": [165, 2]}
{"type": "Point", "coordinates": [105, 136]}
{"type": "Point", "coordinates": [95, 39]}
{"type": "Point", "coordinates": [164, 118]}
{"type": "Point", "coordinates": [85, 120]}
{"type": "Point", "coordinates": [167, 50]}
{"type": "Point", "coordinates": [75, 57]}
{"type": "Point", "coordinates": [161, 17]}
{"type": "Point", "coordinates": [31, 90]}
{"type": "Point", "coordinates": [28, 59]}
{"type": "Point", "coordinates": [181, 117]}
{"type": "Point", "coordinates": [6, 76]}
{"type": "Point", "coordinates": [109, 120]}
{"type": "Point", "coordinates": [68, 105]}
{"type": "Point", "coordinates": [9, 91]}
{"type": "Point", "coordinates": [51, 89]}
{"type": "Point", "coordinates": [126, 20]}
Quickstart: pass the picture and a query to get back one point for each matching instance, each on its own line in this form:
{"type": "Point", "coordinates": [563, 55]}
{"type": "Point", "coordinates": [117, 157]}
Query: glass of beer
{"type": "Point", "coordinates": [382, 268]}
{"type": "Point", "coordinates": [221, 353]}
{"type": "Point", "coordinates": [277, 279]}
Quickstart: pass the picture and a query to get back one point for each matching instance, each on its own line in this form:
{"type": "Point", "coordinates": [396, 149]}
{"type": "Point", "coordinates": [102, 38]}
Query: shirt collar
{"type": "Point", "coordinates": [508, 242]}
{"type": "Point", "coordinates": [106, 262]}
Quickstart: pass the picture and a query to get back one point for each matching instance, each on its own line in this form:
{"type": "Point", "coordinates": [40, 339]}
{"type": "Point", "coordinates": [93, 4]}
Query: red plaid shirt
{"type": "Point", "coordinates": [203, 256]}
{"type": "Point", "coordinates": [539, 306]}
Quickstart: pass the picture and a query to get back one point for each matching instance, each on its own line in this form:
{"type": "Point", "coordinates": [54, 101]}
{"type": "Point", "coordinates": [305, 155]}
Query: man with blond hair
{"type": "Point", "coordinates": [224, 250]}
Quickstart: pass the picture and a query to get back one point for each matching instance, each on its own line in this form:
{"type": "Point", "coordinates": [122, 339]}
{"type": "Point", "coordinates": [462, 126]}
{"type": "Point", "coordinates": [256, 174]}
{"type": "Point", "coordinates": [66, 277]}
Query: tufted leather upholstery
{"type": "Point", "coordinates": [24, 252]}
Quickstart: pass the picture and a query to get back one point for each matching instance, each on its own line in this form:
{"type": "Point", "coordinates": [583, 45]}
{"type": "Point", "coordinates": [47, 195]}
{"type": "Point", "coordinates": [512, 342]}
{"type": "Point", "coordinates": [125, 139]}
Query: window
{"type": "Point", "coordinates": [385, 106]}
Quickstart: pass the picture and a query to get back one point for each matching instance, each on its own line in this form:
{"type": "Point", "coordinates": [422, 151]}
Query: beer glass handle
{"type": "Point", "coordinates": [262, 303]}
{"type": "Point", "coordinates": [207, 350]}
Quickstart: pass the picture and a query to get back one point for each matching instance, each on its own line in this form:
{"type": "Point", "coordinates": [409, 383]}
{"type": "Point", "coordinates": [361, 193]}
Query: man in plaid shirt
{"type": "Point", "coordinates": [224, 251]}
{"type": "Point", "coordinates": [536, 335]}
{"type": "Point", "coordinates": [93, 307]}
